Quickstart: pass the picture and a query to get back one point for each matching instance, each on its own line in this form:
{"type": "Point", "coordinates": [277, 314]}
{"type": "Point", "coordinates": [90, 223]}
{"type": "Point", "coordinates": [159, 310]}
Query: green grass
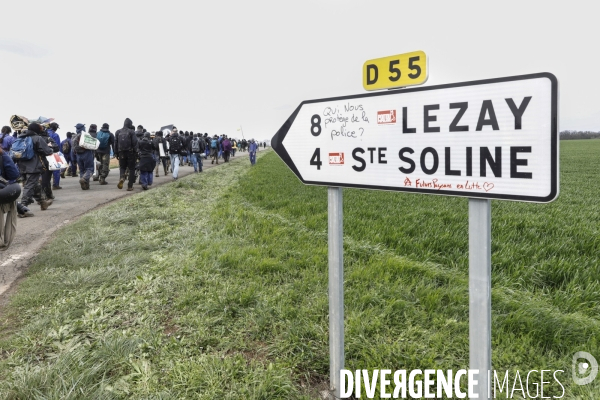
{"type": "Point", "coordinates": [216, 287]}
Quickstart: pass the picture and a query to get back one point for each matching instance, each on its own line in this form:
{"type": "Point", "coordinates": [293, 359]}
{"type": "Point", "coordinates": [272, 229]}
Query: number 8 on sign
{"type": "Point", "coordinates": [315, 125]}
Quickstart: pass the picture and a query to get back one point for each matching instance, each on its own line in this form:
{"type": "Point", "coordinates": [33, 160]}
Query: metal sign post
{"type": "Point", "coordinates": [336, 287]}
{"type": "Point", "coordinates": [480, 293]}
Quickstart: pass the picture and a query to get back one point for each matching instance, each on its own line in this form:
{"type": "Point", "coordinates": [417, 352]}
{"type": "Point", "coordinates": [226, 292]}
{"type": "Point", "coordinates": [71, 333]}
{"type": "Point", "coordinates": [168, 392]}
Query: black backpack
{"type": "Point", "coordinates": [124, 140]}
{"type": "Point", "coordinates": [195, 145]}
{"type": "Point", "coordinates": [174, 144]}
{"type": "Point", "coordinates": [66, 147]}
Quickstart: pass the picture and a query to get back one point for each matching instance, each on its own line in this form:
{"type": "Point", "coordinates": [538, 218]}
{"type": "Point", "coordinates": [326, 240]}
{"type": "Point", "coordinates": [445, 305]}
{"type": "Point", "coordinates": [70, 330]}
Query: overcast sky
{"type": "Point", "coordinates": [213, 66]}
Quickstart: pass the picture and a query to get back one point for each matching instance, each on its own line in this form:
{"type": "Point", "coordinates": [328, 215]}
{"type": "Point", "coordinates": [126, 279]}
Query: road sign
{"type": "Point", "coordinates": [395, 71]}
{"type": "Point", "coordinates": [494, 139]}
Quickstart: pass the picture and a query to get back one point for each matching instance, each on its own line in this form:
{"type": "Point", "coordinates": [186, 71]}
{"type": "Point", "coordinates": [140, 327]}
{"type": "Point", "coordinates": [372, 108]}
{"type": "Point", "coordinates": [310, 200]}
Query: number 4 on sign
{"type": "Point", "coordinates": [316, 158]}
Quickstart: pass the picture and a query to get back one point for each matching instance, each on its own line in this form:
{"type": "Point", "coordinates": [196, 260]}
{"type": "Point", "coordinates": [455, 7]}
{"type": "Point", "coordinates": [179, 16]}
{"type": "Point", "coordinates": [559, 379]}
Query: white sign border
{"type": "Point", "coordinates": [277, 140]}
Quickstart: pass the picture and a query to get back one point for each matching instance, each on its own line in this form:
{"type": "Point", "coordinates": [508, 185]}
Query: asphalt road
{"type": "Point", "coordinates": [70, 203]}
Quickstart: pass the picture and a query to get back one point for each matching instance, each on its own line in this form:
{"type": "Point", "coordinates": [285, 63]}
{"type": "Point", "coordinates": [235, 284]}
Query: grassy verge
{"type": "Point", "coordinates": [216, 287]}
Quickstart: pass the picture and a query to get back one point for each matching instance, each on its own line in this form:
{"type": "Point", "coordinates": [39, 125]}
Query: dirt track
{"type": "Point", "coordinates": [70, 203]}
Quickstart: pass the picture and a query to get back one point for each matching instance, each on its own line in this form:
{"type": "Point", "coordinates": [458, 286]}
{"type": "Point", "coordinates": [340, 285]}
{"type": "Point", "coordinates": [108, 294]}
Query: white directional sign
{"type": "Point", "coordinates": [495, 139]}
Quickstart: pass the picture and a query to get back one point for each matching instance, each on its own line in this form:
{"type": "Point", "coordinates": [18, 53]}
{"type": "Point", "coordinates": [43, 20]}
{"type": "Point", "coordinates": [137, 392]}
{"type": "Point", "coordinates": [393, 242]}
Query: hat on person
{"type": "Point", "coordinates": [80, 126]}
{"type": "Point", "coordinates": [93, 128]}
{"type": "Point", "coordinates": [54, 126]}
{"type": "Point", "coordinates": [35, 127]}
{"type": "Point", "coordinates": [104, 126]}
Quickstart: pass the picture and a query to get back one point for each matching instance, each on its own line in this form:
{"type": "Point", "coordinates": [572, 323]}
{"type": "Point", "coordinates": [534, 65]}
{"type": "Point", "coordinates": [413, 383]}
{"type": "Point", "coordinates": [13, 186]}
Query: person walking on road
{"type": "Point", "coordinates": [85, 157]}
{"type": "Point", "coordinates": [196, 149]}
{"type": "Point", "coordinates": [106, 141]}
{"type": "Point", "coordinates": [146, 151]}
{"type": "Point", "coordinates": [66, 147]}
{"type": "Point", "coordinates": [161, 152]}
{"type": "Point", "coordinates": [32, 168]}
{"type": "Point", "coordinates": [226, 145]}
{"type": "Point", "coordinates": [56, 175]}
{"type": "Point", "coordinates": [125, 150]}
{"type": "Point", "coordinates": [252, 147]}
{"type": "Point", "coordinates": [214, 149]}
{"type": "Point", "coordinates": [234, 147]}
{"type": "Point", "coordinates": [47, 174]}
{"type": "Point", "coordinates": [176, 146]}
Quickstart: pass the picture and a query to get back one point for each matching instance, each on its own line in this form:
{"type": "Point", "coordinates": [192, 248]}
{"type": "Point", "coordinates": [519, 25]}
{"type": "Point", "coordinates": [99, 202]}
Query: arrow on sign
{"type": "Point", "coordinates": [495, 139]}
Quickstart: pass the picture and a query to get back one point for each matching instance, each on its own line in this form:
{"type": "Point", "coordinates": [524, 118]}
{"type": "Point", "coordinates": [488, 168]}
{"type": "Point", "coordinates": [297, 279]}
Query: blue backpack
{"type": "Point", "coordinates": [103, 137]}
{"type": "Point", "coordinates": [213, 144]}
{"type": "Point", "coordinates": [22, 149]}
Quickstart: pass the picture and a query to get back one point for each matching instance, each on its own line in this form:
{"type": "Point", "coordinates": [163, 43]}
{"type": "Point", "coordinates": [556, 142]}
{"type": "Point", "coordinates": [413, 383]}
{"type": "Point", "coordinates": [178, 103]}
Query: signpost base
{"type": "Point", "coordinates": [480, 292]}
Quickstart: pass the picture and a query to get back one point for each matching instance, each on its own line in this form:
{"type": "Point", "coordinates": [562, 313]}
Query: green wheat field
{"type": "Point", "coordinates": [215, 287]}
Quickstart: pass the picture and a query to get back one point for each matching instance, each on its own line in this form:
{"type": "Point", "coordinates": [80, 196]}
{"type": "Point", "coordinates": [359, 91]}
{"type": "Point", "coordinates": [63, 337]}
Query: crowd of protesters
{"type": "Point", "coordinates": [24, 148]}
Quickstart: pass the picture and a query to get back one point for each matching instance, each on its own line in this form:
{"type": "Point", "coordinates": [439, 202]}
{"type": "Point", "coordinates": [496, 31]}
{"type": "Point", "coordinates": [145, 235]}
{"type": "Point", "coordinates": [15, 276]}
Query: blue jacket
{"type": "Point", "coordinates": [7, 142]}
{"type": "Point", "coordinates": [9, 170]}
{"type": "Point", "coordinates": [53, 135]}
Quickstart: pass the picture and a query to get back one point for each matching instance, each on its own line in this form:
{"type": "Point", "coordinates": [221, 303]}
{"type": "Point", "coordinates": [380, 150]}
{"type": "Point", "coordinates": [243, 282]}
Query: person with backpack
{"type": "Point", "coordinates": [196, 149]}
{"type": "Point", "coordinates": [28, 150]}
{"type": "Point", "coordinates": [185, 155]}
{"type": "Point", "coordinates": [160, 144]}
{"type": "Point", "coordinates": [125, 151]}
{"type": "Point", "coordinates": [146, 150]}
{"type": "Point", "coordinates": [85, 157]}
{"type": "Point", "coordinates": [214, 149]}
{"type": "Point", "coordinates": [206, 145]}
{"type": "Point", "coordinates": [6, 139]}
{"type": "Point", "coordinates": [74, 143]}
{"type": "Point", "coordinates": [47, 174]}
{"type": "Point", "coordinates": [107, 141]}
{"type": "Point", "coordinates": [51, 131]}
{"type": "Point", "coordinates": [226, 148]}
{"type": "Point", "coordinates": [176, 146]}
{"type": "Point", "coordinates": [67, 149]}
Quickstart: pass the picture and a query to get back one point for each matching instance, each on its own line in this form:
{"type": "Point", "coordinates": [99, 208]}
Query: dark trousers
{"type": "Point", "coordinates": [31, 189]}
{"type": "Point", "coordinates": [146, 178]}
{"type": "Point", "coordinates": [56, 177]}
{"type": "Point", "coordinates": [46, 179]}
{"type": "Point", "coordinates": [73, 163]}
{"type": "Point", "coordinates": [104, 164]}
{"type": "Point", "coordinates": [127, 160]}
{"type": "Point", "coordinates": [164, 161]}
{"type": "Point", "coordinates": [86, 162]}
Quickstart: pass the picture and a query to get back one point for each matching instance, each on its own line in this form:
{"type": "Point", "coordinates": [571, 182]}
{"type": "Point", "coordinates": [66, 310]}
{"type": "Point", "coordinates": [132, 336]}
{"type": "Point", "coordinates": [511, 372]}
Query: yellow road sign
{"type": "Point", "coordinates": [395, 71]}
